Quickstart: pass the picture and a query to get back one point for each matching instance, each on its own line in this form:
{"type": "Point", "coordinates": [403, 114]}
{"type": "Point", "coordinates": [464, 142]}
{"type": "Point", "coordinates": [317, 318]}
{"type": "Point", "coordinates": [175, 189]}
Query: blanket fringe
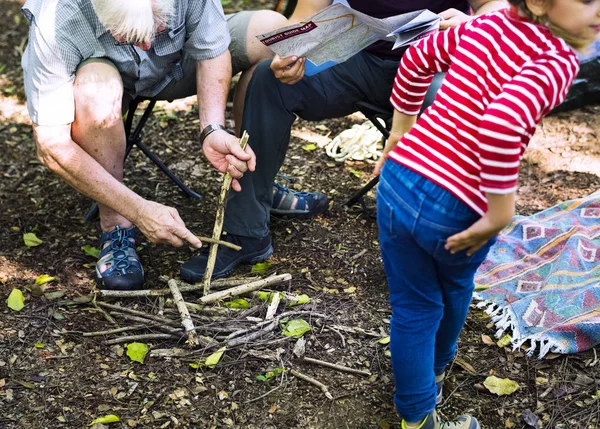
{"type": "Point", "coordinates": [504, 319]}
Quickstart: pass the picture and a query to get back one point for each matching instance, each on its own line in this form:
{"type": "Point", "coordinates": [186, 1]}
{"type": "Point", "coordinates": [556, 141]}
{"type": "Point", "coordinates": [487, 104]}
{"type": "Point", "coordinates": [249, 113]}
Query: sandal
{"type": "Point", "coordinates": [124, 270]}
{"type": "Point", "coordinates": [308, 204]}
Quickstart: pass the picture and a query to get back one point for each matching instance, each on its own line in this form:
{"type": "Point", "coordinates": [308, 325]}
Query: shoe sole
{"type": "Point", "coordinates": [294, 214]}
{"type": "Point", "coordinates": [253, 258]}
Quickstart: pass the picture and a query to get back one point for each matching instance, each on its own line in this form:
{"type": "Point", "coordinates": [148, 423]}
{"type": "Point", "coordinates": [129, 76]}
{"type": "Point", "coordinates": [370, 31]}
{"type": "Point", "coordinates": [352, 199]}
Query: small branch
{"type": "Point", "coordinates": [186, 320]}
{"type": "Point", "coordinates": [221, 242]}
{"type": "Point", "coordinates": [355, 330]}
{"type": "Point", "coordinates": [210, 311]}
{"type": "Point", "coordinates": [113, 331]}
{"type": "Point", "coordinates": [145, 315]}
{"type": "Point", "coordinates": [336, 366]}
{"type": "Point", "coordinates": [161, 306]}
{"type": "Point", "coordinates": [252, 336]}
{"type": "Point", "coordinates": [183, 287]}
{"type": "Point", "coordinates": [147, 323]}
{"type": "Point", "coordinates": [142, 337]}
{"type": "Point", "coordinates": [218, 228]}
{"type": "Point", "coordinates": [105, 314]}
{"type": "Point", "coordinates": [239, 290]}
{"type": "Point", "coordinates": [273, 307]}
{"type": "Point", "coordinates": [312, 381]}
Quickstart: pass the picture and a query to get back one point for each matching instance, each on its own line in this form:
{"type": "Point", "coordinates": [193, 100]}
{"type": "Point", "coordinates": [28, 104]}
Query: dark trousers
{"type": "Point", "coordinates": [270, 110]}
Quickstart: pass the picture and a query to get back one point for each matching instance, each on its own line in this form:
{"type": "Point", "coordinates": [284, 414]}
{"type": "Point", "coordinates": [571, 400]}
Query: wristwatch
{"type": "Point", "coordinates": [210, 128]}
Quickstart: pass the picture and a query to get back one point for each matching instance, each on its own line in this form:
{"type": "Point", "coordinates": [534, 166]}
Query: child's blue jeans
{"type": "Point", "coordinates": [430, 289]}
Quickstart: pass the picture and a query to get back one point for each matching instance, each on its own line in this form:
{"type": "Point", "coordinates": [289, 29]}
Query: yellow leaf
{"type": "Point", "coordinates": [500, 386]}
{"type": "Point", "coordinates": [309, 147]}
{"type": "Point", "coordinates": [31, 240]}
{"type": "Point", "coordinates": [214, 359]}
{"type": "Point", "coordinates": [504, 341]}
{"type": "Point", "coordinates": [137, 351]}
{"type": "Point", "coordinates": [110, 418]}
{"type": "Point", "coordinates": [15, 300]}
{"type": "Point", "coordinates": [385, 340]}
{"type": "Point", "coordinates": [43, 279]}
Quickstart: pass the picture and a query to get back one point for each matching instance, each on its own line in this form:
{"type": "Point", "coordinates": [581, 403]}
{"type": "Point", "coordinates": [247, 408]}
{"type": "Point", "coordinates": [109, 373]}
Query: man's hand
{"type": "Point", "coordinates": [225, 154]}
{"type": "Point", "coordinates": [453, 18]}
{"type": "Point", "coordinates": [162, 224]}
{"type": "Point", "coordinates": [288, 70]}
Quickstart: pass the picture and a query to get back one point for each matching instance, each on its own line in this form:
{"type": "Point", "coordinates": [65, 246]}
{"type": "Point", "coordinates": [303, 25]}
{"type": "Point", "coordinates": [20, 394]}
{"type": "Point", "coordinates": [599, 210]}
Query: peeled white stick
{"type": "Point", "coordinates": [218, 228]}
{"type": "Point", "coordinates": [242, 289]}
{"type": "Point", "coordinates": [273, 306]}
{"type": "Point", "coordinates": [186, 319]}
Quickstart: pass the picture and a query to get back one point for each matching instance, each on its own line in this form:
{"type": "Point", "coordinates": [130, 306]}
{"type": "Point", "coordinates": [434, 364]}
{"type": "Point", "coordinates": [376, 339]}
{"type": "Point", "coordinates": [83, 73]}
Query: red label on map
{"type": "Point", "coordinates": [306, 28]}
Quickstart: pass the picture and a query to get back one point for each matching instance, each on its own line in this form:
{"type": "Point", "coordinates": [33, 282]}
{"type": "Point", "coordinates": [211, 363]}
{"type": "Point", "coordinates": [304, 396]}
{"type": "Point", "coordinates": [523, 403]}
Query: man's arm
{"type": "Point", "coordinates": [213, 77]}
{"type": "Point", "coordinates": [56, 150]}
{"type": "Point", "coordinates": [453, 17]}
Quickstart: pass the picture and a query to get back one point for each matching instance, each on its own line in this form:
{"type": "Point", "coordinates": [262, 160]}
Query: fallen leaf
{"type": "Point", "coordinates": [500, 386]}
{"type": "Point", "coordinates": [465, 365]}
{"type": "Point", "coordinates": [296, 328]}
{"type": "Point", "coordinates": [356, 173]}
{"type": "Point", "coordinates": [137, 351]}
{"type": "Point", "coordinates": [385, 340]}
{"type": "Point", "coordinates": [214, 359]}
{"type": "Point", "coordinates": [39, 345]}
{"type": "Point", "coordinates": [321, 127]}
{"type": "Point", "coordinates": [504, 341]}
{"type": "Point", "coordinates": [31, 240]}
{"type": "Point", "coordinates": [302, 299]}
{"type": "Point", "coordinates": [15, 300]}
{"type": "Point", "coordinates": [110, 418]}
{"type": "Point", "coordinates": [273, 408]}
{"type": "Point", "coordinates": [531, 419]}
{"type": "Point", "coordinates": [91, 251]}
{"type": "Point", "coordinates": [261, 267]}
{"type": "Point", "coordinates": [237, 303]}
{"type": "Point", "coordinates": [43, 279]}
{"type": "Point", "coordinates": [487, 340]}
{"type": "Point", "coordinates": [309, 147]}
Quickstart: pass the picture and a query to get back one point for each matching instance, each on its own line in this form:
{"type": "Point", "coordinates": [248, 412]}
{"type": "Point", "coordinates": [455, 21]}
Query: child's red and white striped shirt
{"type": "Point", "coordinates": [504, 74]}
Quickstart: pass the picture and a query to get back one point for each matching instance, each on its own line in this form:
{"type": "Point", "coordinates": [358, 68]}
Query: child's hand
{"type": "Point", "coordinates": [474, 237]}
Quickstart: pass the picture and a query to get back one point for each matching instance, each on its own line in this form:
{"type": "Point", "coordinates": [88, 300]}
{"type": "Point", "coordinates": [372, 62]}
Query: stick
{"type": "Point", "coordinates": [336, 366]}
{"type": "Point", "coordinates": [113, 331]}
{"type": "Point", "coordinates": [221, 242]}
{"type": "Point", "coordinates": [162, 320]}
{"type": "Point", "coordinates": [251, 337]}
{"type": "Point", "coordinates": [183, 287]}
{"type": "Point", "coordinates": [221, 312]}
{"type": "Point", "coordinates": [239, 290]}
{"type": "Point", "coordinates": [312, 381]}
{"type": "Point", "coordinates": [186, 320]}
{"type": "Point", "coordinates": [142, 337]}
{"type": "Point", "coordinates": [147, 323]}
{"type": "Point", "coordinates": [161, 305]}
{"type": "Point", "coordinates": [273, 306]}
{"type": "Point", "coordinates": [218, 228]}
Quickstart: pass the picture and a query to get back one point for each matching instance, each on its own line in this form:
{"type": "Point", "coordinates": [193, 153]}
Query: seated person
{"type": "Point", "coordinates": [86, 60]}
{"type": "Point", "coordinates": [277, 93]}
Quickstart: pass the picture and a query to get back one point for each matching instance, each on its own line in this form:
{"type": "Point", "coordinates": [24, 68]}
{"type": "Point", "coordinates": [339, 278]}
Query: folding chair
{"type": "Point", "coordinates": [135, 139]}
{"type": "Point", "coordinates": [373, 113]}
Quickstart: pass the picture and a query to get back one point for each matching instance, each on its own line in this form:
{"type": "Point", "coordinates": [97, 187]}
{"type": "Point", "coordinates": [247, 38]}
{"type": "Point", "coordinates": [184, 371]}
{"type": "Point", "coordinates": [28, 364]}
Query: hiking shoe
{"type": "Point", "coordinates": [118, 266]}
{"type": "Point", "coordinates": [307, 204]}
{"type": "Point", "coordinates": [433, 421]}
{"type": "Point", "coordinates": [439, 385]}
{"type": "Point", "coordinates": [254, 250]}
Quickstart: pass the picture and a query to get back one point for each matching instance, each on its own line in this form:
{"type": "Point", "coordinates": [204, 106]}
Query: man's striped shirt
{"type": "Point", "coordinates": [504, 74]}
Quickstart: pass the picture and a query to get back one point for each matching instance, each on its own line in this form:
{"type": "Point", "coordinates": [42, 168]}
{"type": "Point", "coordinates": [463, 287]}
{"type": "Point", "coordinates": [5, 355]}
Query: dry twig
{"type": "Point", "coordinates": [183, 287]}
{"type": "Point", "coordinates": [336, 366]}
{"type": "Point", "coordinates": [312, 381]}
{"type": "Point", "coordinates": [240, 290]}
{"type": "Point", "coordinates": [159, 319]}
{"type": "Point", "coordinates": [273, 307]}
{"type": "Point", "coordinates": [221, 242]}
{"type": "Point", "coordinates": [142, 337]}
{"type": "Point", "coordinates": [186, 320]}
{"type": "Point", "coordinates": [218, 228]}
{"type": "Point", "coordinates": [113, 331]}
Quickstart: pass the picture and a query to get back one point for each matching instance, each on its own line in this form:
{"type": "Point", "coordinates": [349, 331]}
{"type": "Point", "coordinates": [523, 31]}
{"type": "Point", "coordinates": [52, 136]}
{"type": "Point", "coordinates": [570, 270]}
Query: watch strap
{"type": "Point", "coordinates": [210, 128]}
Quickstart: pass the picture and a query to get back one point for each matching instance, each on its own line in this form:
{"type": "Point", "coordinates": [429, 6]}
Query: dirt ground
{"type": "Point", "coordinates": [51, 376]}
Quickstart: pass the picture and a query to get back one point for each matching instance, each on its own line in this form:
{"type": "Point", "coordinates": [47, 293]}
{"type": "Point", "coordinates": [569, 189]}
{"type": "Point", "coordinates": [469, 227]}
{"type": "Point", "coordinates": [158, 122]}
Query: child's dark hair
{"type": "Point", "coordinates": [523, 9]}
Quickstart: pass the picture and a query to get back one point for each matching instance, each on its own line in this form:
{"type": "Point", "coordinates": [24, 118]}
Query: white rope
{"type": "Point", "coordinates": [361, 142]}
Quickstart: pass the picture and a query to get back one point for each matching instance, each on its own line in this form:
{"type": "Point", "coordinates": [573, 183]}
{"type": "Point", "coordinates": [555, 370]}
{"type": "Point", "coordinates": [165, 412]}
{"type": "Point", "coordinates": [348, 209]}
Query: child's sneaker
{"type": "Point", "coordinates": [439, 385]}
{"type": "Point", "coordinates": [432, 421]}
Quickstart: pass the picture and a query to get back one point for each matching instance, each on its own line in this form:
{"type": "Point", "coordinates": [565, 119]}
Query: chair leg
{"type": "Point", "coordinates": [358, 196]}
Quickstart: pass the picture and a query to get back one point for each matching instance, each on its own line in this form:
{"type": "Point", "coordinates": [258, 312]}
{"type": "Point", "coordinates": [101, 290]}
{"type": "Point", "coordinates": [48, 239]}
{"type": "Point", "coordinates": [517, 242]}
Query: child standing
{"type": "Point", "coordinates": [450, 186]}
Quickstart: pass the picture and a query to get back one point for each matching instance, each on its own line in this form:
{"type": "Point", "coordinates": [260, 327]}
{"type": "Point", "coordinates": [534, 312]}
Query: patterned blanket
{"type": "Point", "coordinates": [542, 278]}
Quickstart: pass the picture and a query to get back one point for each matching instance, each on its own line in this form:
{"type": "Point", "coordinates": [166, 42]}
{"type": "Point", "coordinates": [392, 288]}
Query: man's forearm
{"type": "Point", "coordinates": [213, 78]}
{"type": "Point", "coordinates": [76, 167]}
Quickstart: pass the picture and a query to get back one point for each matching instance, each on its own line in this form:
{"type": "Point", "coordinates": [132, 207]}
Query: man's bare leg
{"type": "Point", "coordinates": [98, 126]}
{"type": "Point", "coordinates": [261, 22]}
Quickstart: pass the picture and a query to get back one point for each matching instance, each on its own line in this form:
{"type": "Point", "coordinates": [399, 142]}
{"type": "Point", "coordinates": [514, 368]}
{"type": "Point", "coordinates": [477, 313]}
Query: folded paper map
{"type": "Point", "coordinates": [338, 32]}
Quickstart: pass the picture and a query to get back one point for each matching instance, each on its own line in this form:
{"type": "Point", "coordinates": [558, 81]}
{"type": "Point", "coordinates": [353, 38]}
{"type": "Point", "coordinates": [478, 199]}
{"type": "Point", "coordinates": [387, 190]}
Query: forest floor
{"type": "Point", "coordinates": [52, 376]}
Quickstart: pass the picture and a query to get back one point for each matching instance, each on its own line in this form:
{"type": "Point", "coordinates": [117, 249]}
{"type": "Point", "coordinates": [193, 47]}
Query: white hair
{"type": "Point", "coordinates": [133, 20]}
